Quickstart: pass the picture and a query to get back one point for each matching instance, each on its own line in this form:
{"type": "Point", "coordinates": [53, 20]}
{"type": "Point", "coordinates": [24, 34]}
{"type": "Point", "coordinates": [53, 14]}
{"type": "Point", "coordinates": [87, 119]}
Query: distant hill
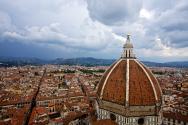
{"type": "Point", "coordinates": [86, 61]}
{"type": "Point", "coordinates": [180, 64]}
{"type": "Point", "coordinates": [21, 61]}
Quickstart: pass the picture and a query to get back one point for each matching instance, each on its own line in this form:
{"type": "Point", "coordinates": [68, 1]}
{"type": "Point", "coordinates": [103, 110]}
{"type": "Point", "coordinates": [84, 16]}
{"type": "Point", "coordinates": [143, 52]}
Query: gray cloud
{"type": "Point", "coordinates": [112, 12]}
{"type": "Point", "coordinates": [63, 23]}
{"type": "Point", "coordinates": [173, 25]}
{"type": "Point", "coordinates": [95, 27]}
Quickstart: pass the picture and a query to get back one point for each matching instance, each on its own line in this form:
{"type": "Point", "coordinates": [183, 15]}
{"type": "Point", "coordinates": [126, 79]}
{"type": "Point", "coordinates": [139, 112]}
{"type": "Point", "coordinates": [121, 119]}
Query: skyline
{"type": "Point", "coordinates": [71, 28]}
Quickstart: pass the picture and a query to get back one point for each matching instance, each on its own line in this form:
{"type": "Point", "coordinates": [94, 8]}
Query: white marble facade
{"type": "Point", "coordinates": [121, 120]}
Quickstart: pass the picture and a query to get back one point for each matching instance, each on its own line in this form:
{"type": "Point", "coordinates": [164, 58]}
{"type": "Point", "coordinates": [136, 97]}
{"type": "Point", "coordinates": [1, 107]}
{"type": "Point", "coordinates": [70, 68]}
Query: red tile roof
{"type": "Point", "coordinates": [176, 116]}
{"type": "Point", "coordinates": [104, 122]}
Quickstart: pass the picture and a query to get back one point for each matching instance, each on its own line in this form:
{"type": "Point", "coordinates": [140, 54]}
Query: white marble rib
{"type": "Point", "coordinates": [156, 80]}
{"type": "Point", "coordinates": [108, 77]}
{"type": "Point", "coordinates": [127, 83]}
{"type": "Point", "coordinates": [149, 79]}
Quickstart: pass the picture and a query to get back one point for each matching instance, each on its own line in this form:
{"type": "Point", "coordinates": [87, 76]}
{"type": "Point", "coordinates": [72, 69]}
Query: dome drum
{"type": "Point", "coordinates": [132, 111]}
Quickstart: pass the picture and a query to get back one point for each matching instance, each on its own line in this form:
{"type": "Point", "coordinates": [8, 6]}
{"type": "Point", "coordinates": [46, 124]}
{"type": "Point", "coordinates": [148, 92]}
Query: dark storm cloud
{"type": "Point", "coordinates": [71, 28]}
{"type": "Point", "coordinates": [15, 48]}
{"type": "Point", "coordinates": [112, 12]}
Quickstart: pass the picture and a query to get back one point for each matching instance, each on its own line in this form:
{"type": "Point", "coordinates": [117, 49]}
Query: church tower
{"type": "Point", "coordinates": [128, 92]}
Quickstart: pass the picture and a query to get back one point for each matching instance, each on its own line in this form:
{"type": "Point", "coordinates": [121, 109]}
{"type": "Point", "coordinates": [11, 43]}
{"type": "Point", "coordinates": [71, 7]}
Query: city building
{"type": "Point", "coordinates": [128, 92]}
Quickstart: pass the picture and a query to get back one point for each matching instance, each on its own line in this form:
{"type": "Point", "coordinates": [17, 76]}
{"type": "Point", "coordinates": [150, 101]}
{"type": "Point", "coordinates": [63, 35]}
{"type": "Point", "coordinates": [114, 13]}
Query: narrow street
{"type": "Point", "coordinates": [82, 87]}
{"type": "Point", "coordinates": [33, 102]}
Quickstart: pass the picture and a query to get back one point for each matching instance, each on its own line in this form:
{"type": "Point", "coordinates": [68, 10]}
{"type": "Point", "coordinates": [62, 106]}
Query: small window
{"type": "Point", "coordinates": [141, 121]}
{"type": "Point", "coordinates": [112, 117]}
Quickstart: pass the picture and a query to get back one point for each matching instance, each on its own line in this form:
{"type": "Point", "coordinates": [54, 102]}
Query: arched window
{"type": "Point", "coordinates": [112, 117]}
{"type": "Point", "coordinates": [141, 121]}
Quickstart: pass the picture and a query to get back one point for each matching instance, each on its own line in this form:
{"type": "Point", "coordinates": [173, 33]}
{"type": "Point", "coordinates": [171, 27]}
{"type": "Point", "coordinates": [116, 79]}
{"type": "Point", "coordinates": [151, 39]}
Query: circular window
{"type": "Point", "coordinates": [112, 117]}
{"type": "Point", "coordinates": [141, 121]}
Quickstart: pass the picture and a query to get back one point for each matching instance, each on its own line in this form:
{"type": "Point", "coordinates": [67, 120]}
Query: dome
{"type": "Point", "coordinates": [129, 88]}
{"type": "Point", "coordinates": [143, 86]}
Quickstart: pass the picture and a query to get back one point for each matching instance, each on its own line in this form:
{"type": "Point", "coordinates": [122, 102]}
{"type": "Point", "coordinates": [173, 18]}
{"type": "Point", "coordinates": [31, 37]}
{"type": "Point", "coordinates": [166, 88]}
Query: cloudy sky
{"type": "Point", "coordinates": [94, 28]}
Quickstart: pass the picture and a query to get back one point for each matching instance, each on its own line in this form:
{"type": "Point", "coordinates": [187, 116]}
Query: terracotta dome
{"type": "Point", "coordinates": [129, 88]}
{"type": "Point", "coordinates": [128, 81]}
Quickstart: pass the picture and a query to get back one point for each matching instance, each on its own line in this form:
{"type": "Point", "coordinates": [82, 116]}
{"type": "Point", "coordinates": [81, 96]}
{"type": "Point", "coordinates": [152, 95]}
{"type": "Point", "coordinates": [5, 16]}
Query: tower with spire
{"type": "Point", "coordinates": [128, 49]}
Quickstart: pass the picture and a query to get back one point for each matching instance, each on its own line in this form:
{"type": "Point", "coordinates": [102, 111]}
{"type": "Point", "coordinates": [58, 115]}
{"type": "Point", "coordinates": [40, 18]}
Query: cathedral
{"type": "Point", "coordinates": [128, 92]}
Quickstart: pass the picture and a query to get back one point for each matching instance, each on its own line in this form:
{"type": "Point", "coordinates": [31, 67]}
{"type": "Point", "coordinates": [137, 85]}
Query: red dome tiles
{"type": "Point", "coordinates": [142, 90]}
